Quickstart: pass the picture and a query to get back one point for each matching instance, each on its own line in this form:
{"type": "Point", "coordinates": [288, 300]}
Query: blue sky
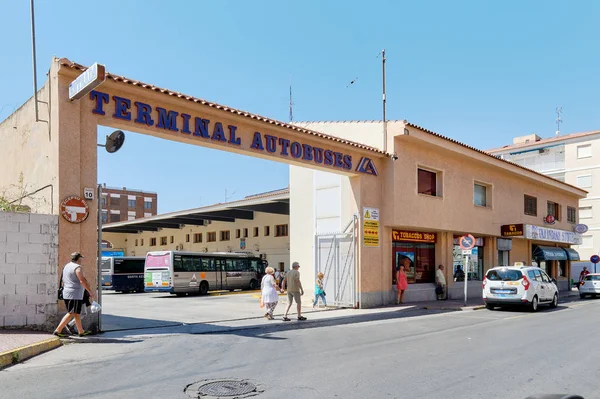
{"type": "Point", "coordinates": [480, 72]}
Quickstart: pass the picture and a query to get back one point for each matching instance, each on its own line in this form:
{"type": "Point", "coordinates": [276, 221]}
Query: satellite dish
{"type": "Point", "coordinates": [114, 142]}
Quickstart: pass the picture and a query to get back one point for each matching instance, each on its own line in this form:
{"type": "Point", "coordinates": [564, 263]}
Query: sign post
{"type": "Point", "coordinates": [467, 242]}
{"type": "Point", "coordinates": [595, 259]}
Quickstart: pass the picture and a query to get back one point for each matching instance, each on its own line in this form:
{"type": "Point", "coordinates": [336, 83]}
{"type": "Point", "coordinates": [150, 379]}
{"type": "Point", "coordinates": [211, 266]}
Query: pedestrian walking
{"type": "Point", "coordinates": [294, 291]}
{"type": "Point", "coordinates": [74, 284]}
{"type": "Point", "coordinates": [269, 292]}
{"type": "Point", "coordinates": [401, 284]}
{"type": "Point", "coordinates": [582, 275]}
{"type": "Point", "coordinates": [319, 290]}
{"type": "Point", "coordinates": [440, 280]}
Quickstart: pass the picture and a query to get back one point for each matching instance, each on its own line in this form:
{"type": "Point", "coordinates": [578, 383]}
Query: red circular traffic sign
{"type": "Point", "coordinates": [74, 209]}
{"type": "Point", "coordinates": [467, 241]}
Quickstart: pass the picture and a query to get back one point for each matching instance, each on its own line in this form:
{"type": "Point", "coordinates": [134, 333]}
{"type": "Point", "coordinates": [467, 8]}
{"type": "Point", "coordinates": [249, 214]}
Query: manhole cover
{"type": "Point", "coordinates": [224, 388]}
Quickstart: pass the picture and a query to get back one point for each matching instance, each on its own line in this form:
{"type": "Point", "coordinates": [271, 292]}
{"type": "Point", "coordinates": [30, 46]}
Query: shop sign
{"type": "Point", "coordinates": [512, 230]}
{"type": "Point", "coordinates": [550, 219]}
{"type": "Point", "coordinates": [547, 234]}
{"type": "Point", "coordinates": [371, 227]}
{"type": "Point", "coordinates": [186, 125]}
{"type": "Point", "coordinates": [414, 236]}
{"type": "Point", "coordinates": [87, 81]}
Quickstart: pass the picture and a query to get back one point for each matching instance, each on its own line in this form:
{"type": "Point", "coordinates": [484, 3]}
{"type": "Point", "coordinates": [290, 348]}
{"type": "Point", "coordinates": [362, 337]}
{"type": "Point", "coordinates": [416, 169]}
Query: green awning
{"type": "Point", "coordinates": [549, 253]}
{"type": "Point", "coordinates": [572, 254]}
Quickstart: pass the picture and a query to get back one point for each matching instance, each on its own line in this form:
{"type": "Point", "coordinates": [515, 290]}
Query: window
{"type": "Point", "coordinates": [136, 242]}
{"type": "Point", "coordinates": [197, 237]}
{"type": "Point", "coordinates": [256, 232]}
{"type": "Point", "coordinates": [427, 183]}
{"type": "Point", "coordinates": [571, 214]}
{"type": "Point", "coordinates": [142, 242]}
{"type": "Point", "coordinates": [585, 212]}
{"type": "Point", "coordinates": [530, 205]}
{"type": "Point", "coordinates": [211, 237]}
{"type": "Point", "coordinates": [115, 200]}
{"type": "Point", "coordinates": [480, 195]}
{"type": "Point", "coordinates": [163, 240]}
{"type": "Point", "coordinates": [115, 217]}
{"type": "Point", "coordinates": [187, 238]}
{"type": "Point", "coordinates": [131, 203]}
{"type": "Point", "coordinates": [172, 239]}
{"type": "Point", "coordinates": [104, 217]}
{"type": "Point", "coordinates": [147, 204]}
{"type": "Point", "coordinates": [584, 151]}
{"type": "Point", "coordinates": [281, 230]}
{"type": "Point", "coordinates": [225, 235]}
{"type": "Point", "coordinates": [267, 231]}
{"type": "Point", "coordinates": [153, 242]}
{"type": "Point", "coordinates": [104, 202]}
{"type": "Point", "coordinates": [245, 233]}
{"type": "Point", "coordinates": [237, 233]}
{"type": "Point", "coordinates": [584, 181]}
{"type": "Point", "coordinates": [554, 210]}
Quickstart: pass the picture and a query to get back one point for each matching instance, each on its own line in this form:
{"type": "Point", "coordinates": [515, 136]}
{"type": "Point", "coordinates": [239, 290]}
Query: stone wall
{"type": "Point", "coordinates": [28, 270]}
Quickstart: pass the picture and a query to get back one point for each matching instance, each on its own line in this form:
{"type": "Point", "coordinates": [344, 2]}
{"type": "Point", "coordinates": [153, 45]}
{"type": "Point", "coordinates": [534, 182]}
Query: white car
{"type": "Point", "coordinates": [519, 285]}
{"type": "Point", "coordinates": [590, 285]}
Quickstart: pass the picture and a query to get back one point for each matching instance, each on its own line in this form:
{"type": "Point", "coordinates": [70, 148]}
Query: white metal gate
{"type": "Point", "coordinates": [335, 256]}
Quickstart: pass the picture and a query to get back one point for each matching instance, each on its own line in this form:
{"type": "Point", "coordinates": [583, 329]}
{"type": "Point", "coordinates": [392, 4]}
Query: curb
{"type": "Point", "coordinates": [17, 355]}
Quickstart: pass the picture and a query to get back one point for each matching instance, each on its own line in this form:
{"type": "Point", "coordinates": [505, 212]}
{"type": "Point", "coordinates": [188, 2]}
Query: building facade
{"type": "Point", "coordinates": [436, 190]}
{"type": "Point", "coordinates": [265, 234]}
{"type": "Point", "coordinates": [121, 204]}
{"type": "Point", "coordinates": [568, 158]}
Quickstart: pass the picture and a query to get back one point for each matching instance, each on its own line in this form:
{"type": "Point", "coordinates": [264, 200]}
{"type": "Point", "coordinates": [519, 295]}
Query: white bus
{"type": "Point", "coordinates": [183, 273]}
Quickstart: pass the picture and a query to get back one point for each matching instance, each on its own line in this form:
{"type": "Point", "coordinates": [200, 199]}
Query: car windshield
{"type": "Point", "coordinates": [594, 278]}
{"type": "Point", "coordinates": [504, 275]}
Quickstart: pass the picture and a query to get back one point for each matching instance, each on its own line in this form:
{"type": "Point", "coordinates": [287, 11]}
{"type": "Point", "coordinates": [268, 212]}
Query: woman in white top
{"type": "Point", "coordinates": [270, 292]}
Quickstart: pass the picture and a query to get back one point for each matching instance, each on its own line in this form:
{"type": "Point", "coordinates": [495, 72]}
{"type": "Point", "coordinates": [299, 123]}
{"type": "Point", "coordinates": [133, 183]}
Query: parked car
{"type": "Point", "coordinates": [590, 285]}
{"type": "Point", "coordinates": [519, 285]}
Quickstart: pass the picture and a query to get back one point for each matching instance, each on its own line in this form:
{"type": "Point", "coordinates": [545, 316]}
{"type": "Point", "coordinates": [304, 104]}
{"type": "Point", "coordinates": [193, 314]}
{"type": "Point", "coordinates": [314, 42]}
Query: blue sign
{"type": "Point", "coordinates": [113, 253]}
{"type": "Point", "coordinates": [184, 124]}
{"type": "Point", "coordinates": [595, 259]}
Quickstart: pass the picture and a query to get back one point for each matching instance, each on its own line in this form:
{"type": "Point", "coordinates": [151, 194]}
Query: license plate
{"type": "Point", "coordinates": [503, 291]}
{"type": "Point", "coordinates": [501, 295]}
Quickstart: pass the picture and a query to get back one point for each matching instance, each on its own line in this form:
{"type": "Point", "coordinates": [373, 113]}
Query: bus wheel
{"type": "Point", "coordinates": [253, 284]}
{"type": "Point", "coordinates": [203, 288]}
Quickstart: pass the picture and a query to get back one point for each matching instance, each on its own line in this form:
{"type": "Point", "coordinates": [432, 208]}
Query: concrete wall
{"type": "Point", "coordinates": [275, 248]}
{"type": "Point", "coordinates": [30, 153]}
{"type": "Point", "coordinates": [28, 271]}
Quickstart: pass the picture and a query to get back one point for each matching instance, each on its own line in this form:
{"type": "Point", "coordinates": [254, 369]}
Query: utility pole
{"type": "Point", "coordinates": [35, 102]}
{"type": "Point", "coordinates": [291, 103]}
{"type": "Point", "coordinates": [384, 103]}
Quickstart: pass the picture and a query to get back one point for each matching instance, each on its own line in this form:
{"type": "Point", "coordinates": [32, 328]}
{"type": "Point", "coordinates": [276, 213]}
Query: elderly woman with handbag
{"type": "Point", "coordinates": [319, 291]}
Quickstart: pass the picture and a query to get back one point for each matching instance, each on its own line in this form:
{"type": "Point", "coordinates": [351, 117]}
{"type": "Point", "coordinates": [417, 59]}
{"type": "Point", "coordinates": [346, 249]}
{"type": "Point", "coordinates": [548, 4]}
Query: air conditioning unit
{"type": "Point", "coordinates": [207, 222]}
{"type": "Point", "coordinates": [179, 247]}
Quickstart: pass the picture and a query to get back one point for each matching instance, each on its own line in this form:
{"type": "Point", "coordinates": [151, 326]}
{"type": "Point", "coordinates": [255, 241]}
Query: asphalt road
{"type": "Point", "coordinates": [469, 354]}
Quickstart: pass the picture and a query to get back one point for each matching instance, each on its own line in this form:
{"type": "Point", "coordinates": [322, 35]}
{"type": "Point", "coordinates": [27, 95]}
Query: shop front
{"type": "Point", "coordinates": [416, 251]}
{"type": "Point", "coordinates": [547, 248]}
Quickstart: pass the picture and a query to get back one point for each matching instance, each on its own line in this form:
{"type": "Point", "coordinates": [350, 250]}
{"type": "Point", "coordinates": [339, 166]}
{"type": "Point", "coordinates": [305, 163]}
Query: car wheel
{"type": "Point", "coordinates": [204, 288]}
{"type": "Point", "coordinates": [253, 284]}
{"type": "Point", "coordinates": [534, 304]}
{"type": "Point", "coordinates": [489, 306]}
{"type": "Point", "coordinates": [554, 303]}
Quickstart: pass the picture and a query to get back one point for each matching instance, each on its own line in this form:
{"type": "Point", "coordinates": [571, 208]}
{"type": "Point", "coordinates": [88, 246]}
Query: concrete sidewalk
{"type": "Point", "coordinates": [18, 345]}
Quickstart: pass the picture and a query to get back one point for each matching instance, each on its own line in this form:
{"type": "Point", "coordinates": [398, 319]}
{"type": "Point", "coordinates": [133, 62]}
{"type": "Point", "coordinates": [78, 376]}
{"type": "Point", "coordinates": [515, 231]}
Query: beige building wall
{"type": "Point", "coordinates": [30, 155]}
{"type": "Point", "coordinates": [275, 248]}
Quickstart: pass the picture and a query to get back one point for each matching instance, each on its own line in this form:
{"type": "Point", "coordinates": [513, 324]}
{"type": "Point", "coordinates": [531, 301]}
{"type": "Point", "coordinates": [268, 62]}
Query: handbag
{"type": "Point", "coordinates": [60, 288]}
{"type": "Point", "coordinates": [439, 289]}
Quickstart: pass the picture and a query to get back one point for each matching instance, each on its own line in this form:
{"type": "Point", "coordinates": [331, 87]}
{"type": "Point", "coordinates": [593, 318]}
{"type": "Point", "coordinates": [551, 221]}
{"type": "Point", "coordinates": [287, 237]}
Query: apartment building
{"type": "Point", "coordinates": [571, 159]}
{"type": "Point", "coordinates": [122, 204]}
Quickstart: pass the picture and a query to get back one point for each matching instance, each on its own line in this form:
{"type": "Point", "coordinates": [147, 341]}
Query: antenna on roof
{"type": "Point", "coordinates": [558, 120]}
{"type": "Point", "coordinates": [291, 102]}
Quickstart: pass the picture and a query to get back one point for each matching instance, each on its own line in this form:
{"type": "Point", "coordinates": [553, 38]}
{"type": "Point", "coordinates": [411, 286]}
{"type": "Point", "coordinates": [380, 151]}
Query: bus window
{"type": "Point", "coordinates": [177, 264]}
{"type": "Point", "coordinates": [106, 265]}
{"type": "Point", "coordinates": [207, 265]}
{"type": "Point", "coordinates": [187, 263]}
{"type": "Point", "coordinates": [254, 266]}
{"type": "Point", "coordinates": [129, 266]}
{"type": "Point", "coordinates": [231, 265]}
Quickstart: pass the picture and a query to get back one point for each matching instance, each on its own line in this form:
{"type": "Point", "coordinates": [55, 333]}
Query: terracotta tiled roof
{"type": "Point", "coordinates": [545, 141]}
{"type": "Point", "coordinates": [490, 155]}
{"type": "Point", "coordinates": [117, 78]}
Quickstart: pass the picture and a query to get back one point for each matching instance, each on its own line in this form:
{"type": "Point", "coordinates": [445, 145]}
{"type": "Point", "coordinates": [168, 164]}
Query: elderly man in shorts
{"type": "Point", "coordinates": [294, 291]}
